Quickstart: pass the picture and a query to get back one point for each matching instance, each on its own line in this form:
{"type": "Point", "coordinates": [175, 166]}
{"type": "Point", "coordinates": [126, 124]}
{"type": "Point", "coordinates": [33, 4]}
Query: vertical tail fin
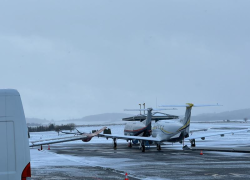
{"type": "Point", "coordinates": [186, 120]}
{"type": "Point", "coordinates": [149, 119]}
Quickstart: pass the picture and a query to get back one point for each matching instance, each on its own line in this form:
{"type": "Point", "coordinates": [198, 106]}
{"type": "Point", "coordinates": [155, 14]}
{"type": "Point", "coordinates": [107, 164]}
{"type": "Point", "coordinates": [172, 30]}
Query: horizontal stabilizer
{"type": "Point", "coordinates": [191, 105]}
{"type": "Point", "coordinates": [154, 118]}
{"type": "Point", "coordinates": [158, 109]}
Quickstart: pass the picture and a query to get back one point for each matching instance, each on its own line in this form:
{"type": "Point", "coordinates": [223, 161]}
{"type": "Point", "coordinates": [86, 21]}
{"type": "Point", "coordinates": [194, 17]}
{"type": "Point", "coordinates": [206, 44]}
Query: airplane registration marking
{"type": "Point", "coordinates": [158, 127]}
{"type": "Point", "coordinates": [161, 127]}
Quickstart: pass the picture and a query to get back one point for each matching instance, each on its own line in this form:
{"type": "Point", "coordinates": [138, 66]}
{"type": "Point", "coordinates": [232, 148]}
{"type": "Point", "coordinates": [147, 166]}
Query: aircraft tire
{"type": "Point", "coordinates": [193, 143]}
{"type": "Point", "coordinates": [130, 145]}
{"type": "Point", "coordinates": [143, 148]}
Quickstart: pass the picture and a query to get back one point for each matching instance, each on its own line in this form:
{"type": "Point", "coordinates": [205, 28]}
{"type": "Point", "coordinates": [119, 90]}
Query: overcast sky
{"type": "Point", "coordinates": [69, 59]}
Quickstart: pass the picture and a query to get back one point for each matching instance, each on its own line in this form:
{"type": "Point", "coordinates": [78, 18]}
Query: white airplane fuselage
{"type": "Point", "coordinates": [135, 129]}
{"type": "Point", "coordinates": [169, 130]}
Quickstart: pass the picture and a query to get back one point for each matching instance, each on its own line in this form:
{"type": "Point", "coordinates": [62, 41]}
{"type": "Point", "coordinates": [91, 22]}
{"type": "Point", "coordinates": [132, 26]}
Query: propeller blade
{"type": "Point", "coordinates": [160, 109]}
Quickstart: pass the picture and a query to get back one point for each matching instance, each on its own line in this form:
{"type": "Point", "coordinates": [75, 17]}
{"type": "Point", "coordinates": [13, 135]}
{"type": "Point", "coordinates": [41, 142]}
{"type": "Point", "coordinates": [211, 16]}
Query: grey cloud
{"type": "Point", "coordinates": [69, 59]}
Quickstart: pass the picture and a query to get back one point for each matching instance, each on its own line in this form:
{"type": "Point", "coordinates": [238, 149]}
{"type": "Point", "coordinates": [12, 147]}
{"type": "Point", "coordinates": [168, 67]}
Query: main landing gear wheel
{"type": "Point", "coordinates": [158, 147]}
{"type": "Point", "coordinates": [130, 144]}
{"type": "Point", "coordinates": [192, 142]}
{"type": "Point", "coordinates": [143, 148]}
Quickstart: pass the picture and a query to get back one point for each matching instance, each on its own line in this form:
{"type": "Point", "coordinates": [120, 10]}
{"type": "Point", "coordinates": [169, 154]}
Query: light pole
{"type": "Point", "coordinates": [144, 107]}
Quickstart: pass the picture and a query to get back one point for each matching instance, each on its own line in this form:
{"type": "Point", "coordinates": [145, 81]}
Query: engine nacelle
{"type": "Point", "coordinates": [87, 139]}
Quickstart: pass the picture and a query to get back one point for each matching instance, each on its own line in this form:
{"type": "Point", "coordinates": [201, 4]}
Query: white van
{"type": "Point", "coordinates": [14, 143]}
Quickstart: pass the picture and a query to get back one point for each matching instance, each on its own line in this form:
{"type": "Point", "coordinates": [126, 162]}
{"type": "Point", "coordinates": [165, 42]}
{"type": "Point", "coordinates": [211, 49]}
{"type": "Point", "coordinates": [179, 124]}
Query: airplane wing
{"type": "Point", "coordinates": [198, 130]}
{"type": "Point", "coordinates": [216, 134]}
{"type": "Point", "coordinates": [58, 140]}
{"type": "Point", "coordinates": [129, 137]}
{"type": "Point", "coordinates": [65, 139]}
{"type": "Point", "coordinates": [65, 132]}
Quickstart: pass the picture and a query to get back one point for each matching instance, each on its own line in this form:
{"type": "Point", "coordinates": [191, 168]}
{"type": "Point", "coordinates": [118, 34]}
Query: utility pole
{"type": "Point", "coordinates": [144, 107]}
{"type": "Point", "coordinates": [140, 108]}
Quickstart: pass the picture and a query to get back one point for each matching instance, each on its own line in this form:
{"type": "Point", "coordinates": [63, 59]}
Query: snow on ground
{"type": "Point", "coordinates": [238, 139]}
{"type": "Point", "coordinates": [48, 158]}
{"type": "Point", "coordinates": [35, 136]}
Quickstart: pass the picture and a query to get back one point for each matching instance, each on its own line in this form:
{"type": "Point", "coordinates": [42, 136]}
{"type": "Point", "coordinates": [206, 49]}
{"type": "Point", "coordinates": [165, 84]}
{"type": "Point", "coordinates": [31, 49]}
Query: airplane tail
{"type": "Point", "coordinates": [186, 120]}
{"type": "Point", "coordinates": [148, 122]}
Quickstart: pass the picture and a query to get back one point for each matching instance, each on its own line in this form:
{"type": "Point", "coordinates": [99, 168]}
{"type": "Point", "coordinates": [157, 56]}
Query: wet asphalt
{"type": "Point", "coordinates": [169, 163]}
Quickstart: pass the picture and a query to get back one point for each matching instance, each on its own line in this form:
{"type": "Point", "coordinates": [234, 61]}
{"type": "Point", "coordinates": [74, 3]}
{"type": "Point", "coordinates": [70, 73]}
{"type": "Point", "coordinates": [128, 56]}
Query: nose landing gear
{"type": "Point", "coordinates": [142, 146]}
{"type": "Point", "coordinates": [115, 143]}
{"type": "Point", "coordinates": [158, 147]}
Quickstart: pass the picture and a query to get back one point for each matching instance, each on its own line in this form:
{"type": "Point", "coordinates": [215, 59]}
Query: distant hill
{"type": "Point", "coordinates": [38, 121]}
{"type": "Point", "coordinates": [106, 118]}
{"type": "Point", "coordinates": [228, 115]}
{"type": "Point", "coordinates": [116, 118]}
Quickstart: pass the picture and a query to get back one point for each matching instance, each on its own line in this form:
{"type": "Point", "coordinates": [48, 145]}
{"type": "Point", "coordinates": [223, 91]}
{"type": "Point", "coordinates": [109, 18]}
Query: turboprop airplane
{"type": "Point", "coordinates": [175, 130]}
{"type": "Point", "coordinates": [141, 127]}
{"type": "Point", "coordinates": [85, 137]}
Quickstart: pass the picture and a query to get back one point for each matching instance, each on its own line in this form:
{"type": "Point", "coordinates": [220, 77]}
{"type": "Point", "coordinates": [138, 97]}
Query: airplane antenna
{"type": "Point", "coordinates": [144, 107]}
{"type": "Point", "coordinates": [140, 108]}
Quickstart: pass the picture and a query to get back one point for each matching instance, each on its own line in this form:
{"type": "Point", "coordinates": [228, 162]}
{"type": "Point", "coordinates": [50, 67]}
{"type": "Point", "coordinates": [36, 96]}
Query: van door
{"type": "Point", "coordinates": [14, 143]}
{"type": "Point", "coordinates": [7, 151]}
{"type": "Point", "coordinates": [3, 151]}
